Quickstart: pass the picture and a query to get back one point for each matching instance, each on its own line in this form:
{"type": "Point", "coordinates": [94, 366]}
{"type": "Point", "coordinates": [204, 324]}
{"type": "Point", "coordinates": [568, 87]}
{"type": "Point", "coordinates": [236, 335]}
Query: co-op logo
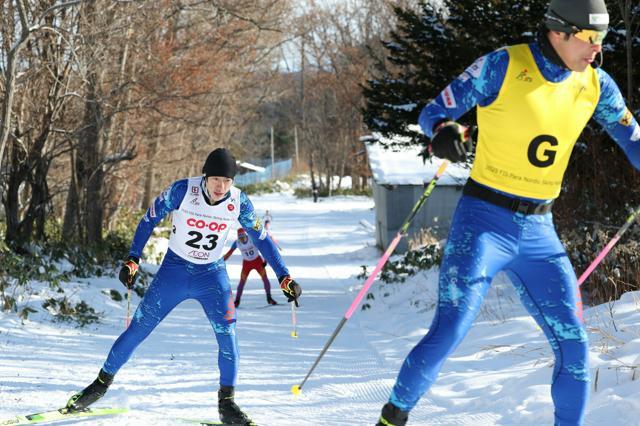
{"type": "Point", "coordinates": [201, 224]}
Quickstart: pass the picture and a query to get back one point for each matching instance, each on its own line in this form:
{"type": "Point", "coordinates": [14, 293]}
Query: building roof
{"type": "Point", "coordinates": [403, 166]}
{"type": "Point", "coordinates": [250, 166]}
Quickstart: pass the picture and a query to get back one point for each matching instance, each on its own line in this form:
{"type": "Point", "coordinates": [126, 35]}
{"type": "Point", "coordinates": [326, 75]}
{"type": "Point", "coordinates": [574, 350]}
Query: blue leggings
{"type": "Point", "coordinates": [176, 281]}
{"type": "Point", "coordinates": [485, 239]}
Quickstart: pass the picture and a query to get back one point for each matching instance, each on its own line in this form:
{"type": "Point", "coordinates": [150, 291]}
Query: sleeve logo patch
{"type": "Point", "coordinates": [231, 207]}
{"type": "Point", "coordinates": [152, 210]}
{"type": "Point", "coordinates": [165, 193]}
{"type": "Point", "coordinates": [257, 225]}
{"type": "Point", "coordinates": [627, 118]}
{"type": "Point", "coordinates": [475, 69]}
{"type": "Point", "coordinates": [195, 190]}
{"type": "Point", "coordinates": [448, 98]}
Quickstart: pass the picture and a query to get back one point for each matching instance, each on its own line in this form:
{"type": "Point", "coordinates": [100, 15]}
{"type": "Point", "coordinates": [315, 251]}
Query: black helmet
{"type": "Point", "coordinates": [220, 162]}
{"type": "Point", "coordinates": [570, 16]}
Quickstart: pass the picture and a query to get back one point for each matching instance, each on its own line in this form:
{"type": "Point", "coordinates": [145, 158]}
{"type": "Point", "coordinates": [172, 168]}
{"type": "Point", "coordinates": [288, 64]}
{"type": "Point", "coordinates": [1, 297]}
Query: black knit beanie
{"type": "Point", "coordinates": [220, 162]}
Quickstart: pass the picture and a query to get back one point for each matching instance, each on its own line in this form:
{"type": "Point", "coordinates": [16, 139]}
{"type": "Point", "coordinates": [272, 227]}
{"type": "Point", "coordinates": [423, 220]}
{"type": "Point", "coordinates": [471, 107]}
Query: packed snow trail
{"type": "Point", "coordinates": [499, 375]}
{"type": "Point", "coordinates": [174, 373]}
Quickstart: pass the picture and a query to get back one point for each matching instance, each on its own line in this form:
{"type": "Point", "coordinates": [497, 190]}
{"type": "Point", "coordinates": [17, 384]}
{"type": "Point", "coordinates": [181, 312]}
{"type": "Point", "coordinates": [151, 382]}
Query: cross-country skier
{"type": "Point", "coordinates": [251, 260]}
{"type": "Point", "coordinates": [267, 219]}
{"type": "Point", "coordinates": [203, 209]}
{"type": "Point", "coordinates": [533, 101]}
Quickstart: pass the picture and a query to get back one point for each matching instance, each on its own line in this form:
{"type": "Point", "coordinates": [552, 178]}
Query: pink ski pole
{"type": "Point", "coordinates": [296, 389]}
{"type": "Point", "coordinates": [632, 217]}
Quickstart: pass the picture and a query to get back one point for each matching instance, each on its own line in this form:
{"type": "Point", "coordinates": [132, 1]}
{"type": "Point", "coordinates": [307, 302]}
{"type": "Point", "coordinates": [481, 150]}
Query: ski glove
{"type": "Point", "coordinates": [290, 288]}
{"type": "Point", "coordinates": [129, 272]}
{"type": "Point", "coordinates": [451, 141]}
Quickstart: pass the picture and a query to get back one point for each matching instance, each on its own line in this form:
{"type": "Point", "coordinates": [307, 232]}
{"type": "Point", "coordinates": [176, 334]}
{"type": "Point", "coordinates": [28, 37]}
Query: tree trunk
{"type": "Point", "coordinates": [35, 217]}
{"type": "Point", "coordinates": [152, 149]}
{"type": "Point", "coordinates": [629, 50]}
{"type": "Point", "coordinates": [72, 208]}
{"type": "Point", "coordinates": [88, 166]}
{"type": "Point", "coordinates": [313, 178]}
{"type": "Point", "coordinates": [11, 199]}
{"type": "Point", "coordinates": [624, 6]}
{"type": "Point", "coordinates": [9, 84]}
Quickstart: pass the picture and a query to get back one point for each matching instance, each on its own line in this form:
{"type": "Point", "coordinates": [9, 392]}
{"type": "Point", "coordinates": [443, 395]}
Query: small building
{"type": "Point", "coordinates": [399, 180]}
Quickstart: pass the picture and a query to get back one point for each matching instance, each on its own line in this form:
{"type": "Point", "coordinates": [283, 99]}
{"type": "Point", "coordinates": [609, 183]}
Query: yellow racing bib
{"type": "Point", "coordinates": [527, 134]}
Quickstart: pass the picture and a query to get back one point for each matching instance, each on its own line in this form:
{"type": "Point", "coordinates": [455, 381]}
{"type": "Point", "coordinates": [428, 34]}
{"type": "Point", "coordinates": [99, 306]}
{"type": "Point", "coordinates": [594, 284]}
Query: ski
{"type": "Point", "coordinates": [202, 422]}
{"type": "Point", "coordinates": [60, 414]}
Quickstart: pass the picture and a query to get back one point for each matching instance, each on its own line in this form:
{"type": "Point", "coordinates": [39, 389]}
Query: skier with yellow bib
{"type": "Point", "coordinates": [533, 101]}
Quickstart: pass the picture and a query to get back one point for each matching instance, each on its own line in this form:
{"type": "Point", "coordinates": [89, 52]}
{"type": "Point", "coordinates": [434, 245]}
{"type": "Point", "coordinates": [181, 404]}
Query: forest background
{"type": "Point", "coordinates": [104, 103]}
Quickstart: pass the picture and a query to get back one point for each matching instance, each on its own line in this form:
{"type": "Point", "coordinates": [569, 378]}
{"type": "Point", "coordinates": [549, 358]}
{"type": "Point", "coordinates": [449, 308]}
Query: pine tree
{"type": "Point", "coordinates": [431, 46]}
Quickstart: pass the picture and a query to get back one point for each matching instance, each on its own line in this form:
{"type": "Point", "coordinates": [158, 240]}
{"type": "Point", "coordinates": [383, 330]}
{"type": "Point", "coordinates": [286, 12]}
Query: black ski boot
{"type": "Point", "coordinates": [392, 416]}
{"type": "Point", "coordinates": [91, 393]}
{"type": "Point", "coordinates": [230, 413]}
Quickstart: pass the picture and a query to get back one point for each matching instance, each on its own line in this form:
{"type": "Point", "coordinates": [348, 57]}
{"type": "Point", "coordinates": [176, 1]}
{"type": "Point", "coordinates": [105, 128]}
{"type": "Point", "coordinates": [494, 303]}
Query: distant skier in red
{"type": "Point", "coordinates": [251, 260]}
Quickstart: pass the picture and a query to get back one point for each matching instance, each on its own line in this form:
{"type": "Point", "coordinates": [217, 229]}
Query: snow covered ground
{"type": "Point", "coordinates": [499, 376]}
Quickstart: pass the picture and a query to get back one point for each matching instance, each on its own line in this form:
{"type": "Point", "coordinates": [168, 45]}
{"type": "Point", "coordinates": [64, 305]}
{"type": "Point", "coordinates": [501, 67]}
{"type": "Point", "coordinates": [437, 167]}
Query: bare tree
{"type": "Point", "coordinates": [38, 65]}
{"type": "Point", "coordinates": [19, 33]}
{"type": "Point", "coordinates": [183, 64]}
{"type": "Point", "coordinates": [337, 51]}
{"type": "Point", "coordinates": [117, 99]}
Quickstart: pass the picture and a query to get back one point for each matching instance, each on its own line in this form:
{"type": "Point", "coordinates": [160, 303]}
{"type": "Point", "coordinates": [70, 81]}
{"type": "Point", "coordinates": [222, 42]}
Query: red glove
{"type": "Point", "coordinates": [290, 288]}
{"type": "Point", "coordinates": [129, 272]}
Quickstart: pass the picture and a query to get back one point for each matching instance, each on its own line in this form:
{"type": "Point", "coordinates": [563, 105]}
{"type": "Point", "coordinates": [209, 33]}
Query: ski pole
{"type": "Point", "coordinates": [296, 389]}
{"type": "Point", "coordinates": [632, 218]}
{"type": "Point", "coordinates": [127, 320]}
{"type": "Point", "coordinates": [294, 333]}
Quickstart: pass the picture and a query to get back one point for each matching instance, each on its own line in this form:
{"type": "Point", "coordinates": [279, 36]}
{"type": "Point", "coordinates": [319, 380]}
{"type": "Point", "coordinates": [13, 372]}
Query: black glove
{"type": "Point", "coordinates": [290, 288]}
{"type": "Point", "coordinates": [451, 141]}
{"type": "Point", "coordinates": [129, 272]}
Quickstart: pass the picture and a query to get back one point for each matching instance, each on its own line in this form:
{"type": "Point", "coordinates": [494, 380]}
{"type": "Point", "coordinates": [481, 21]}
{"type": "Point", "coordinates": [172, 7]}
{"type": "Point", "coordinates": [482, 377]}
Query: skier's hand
{"type": "Point", "coordinates": [129, 272]}
{"type": "Point", "coordinates": [290, 288]}
{"type": "Point", "coordinates": [451, 141]}
{"type": "Point", "coordinates": [227, 255]}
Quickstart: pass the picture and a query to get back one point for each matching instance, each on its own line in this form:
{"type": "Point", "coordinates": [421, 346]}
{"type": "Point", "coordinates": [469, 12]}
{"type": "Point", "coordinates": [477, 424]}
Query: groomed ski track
{"type": "Point", "coordinates": [174, 374]}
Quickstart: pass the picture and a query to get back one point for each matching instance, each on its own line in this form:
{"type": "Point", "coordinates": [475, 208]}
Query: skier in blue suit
{"type": "Point", "coordinates": [533, 101]}
{"type": "Point", "coordinates": [203, 209]}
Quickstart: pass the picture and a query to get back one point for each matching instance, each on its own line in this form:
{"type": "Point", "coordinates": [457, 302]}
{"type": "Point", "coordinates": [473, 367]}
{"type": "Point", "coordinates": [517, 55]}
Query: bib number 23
{"type": "Point", "coordinates": [209, 244]}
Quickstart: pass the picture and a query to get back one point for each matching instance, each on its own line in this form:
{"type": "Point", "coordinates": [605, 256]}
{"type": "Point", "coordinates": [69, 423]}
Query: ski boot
{"type": "Point", "coordinates": [91, 393]}
{"type": "Point", "coordinates": [392, 416]}
{"type": "Point", "coordinates": [271, 301]}
{"type": "Point", "coordinates": [230, 413]}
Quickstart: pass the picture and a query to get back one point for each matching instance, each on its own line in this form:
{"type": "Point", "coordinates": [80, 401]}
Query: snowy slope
{"type": "Point", "coordinates": [499, 375]}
